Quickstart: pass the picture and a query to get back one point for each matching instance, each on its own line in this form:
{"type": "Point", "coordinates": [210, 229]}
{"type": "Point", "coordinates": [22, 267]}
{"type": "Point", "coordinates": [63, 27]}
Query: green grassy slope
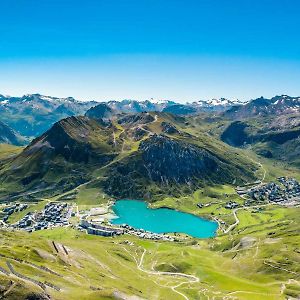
{"type": "Point", "coordinates": [257, 260]}
{"type": "Point", "coordinates": [78, 150]}
{"type": "Point", "coordinates": [7, 151]}
{"type": "Point", "coordinates": [272, 136]}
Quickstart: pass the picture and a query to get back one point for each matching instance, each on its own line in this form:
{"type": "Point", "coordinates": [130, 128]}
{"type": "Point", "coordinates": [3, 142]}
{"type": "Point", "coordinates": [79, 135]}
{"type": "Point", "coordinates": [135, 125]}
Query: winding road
{"type": "Point", "coordinates": [237, 221]}
{"type": "Point", "coordinates": [191, 278]}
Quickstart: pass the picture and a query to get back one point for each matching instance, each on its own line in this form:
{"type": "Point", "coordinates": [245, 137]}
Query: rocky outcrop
{"type": "Point", "coordinates": [138, 133]}
{"type": "Point", "coordinates": [169, 128]}
{"type": "Point", "coordinates": [168, 160]}
{"type": "Point", "coordinates": [164, 165]}
{"type": "Point", "coordinates": [136, 119]}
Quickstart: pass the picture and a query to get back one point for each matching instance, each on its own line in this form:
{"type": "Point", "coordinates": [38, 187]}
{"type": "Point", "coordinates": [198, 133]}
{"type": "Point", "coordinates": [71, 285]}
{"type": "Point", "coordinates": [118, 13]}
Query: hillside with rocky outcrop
{"type": "Point", "coordinates": [60, 158]}
{"type": "Point", "coordinates": [136, 153]}
{"type": "Point", "coordinates": [165, 164]}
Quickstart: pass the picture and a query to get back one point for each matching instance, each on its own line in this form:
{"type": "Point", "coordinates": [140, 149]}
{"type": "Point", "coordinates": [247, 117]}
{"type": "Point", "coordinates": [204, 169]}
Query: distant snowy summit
{"type": "Point", "coordinates": [33, 114]}
{"type": "Point", "coordinates": [277, 105]}
{"type": "Point", "coordinates": [71, 106]}
{"type": "Point", "coordinates": [219, 102]}
{"type": "Point", "coordinates": [170, 106]}
{"type": "Point", "coordinates": [134, 106]}
{"type": "Point", "coordinates": [47, 103]}
{"type": "Point", "coordinates": [41, 104]}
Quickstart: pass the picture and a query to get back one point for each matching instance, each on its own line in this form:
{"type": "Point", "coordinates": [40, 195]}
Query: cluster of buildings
{"type": "Point", "coordinates": [231, 205]}
{"type": "Point", "coordinates": [146, 234]}
{"type": "Point", "coordinates": [106, 230]}
{"type": "Point", "coordinates": [54, 214]}
{"type": "Point", "coordinates": [9, 210]}
{"type": "Point", "coordinates": [98, 229]}
{"type": "Point", "coordinates": [286, 191]}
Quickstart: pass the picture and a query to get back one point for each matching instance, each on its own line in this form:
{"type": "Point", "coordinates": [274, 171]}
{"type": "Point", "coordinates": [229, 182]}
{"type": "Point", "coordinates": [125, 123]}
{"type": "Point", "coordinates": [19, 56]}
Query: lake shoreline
{"type": "Point", "coordinates": [140, 215]}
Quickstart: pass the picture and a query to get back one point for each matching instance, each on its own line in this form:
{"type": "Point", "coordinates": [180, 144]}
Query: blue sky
{"type": "Point", "coordinates": [167, 49]}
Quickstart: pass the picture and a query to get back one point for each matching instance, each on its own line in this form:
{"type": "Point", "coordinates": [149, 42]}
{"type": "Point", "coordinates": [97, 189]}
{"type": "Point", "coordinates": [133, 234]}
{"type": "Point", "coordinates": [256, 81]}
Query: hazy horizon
{"type": "Point", "coordinates": [187, 51]}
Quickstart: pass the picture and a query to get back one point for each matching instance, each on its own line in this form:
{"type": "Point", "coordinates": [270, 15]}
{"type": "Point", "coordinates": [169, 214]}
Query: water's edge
{"type": "Point", "coordinates": [139, 215]}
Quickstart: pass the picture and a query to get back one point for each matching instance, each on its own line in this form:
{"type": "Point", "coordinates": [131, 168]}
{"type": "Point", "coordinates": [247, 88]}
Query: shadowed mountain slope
{"type": "Point", "coordinates": [9, 136]}
{"type": "Point", "coordinates": [276, 136]}
{"type": "Point", "coordinates": [133, 153]}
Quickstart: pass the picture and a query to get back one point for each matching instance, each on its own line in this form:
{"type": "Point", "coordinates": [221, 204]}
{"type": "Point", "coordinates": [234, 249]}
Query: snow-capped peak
{"type": "Point", "coordinates": [218, 102]}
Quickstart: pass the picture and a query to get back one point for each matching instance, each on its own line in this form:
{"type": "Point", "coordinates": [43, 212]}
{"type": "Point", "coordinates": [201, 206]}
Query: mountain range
{"type": "Point", "coordinates": [135, 153]}
{"type": "Point", "coordinates": [277, 105]}
{"type": "Point", "coordinates": [181, 157]}
{"type": "Point", "coordinates": [33, 114]}
{"type": "Point", "coordinates": [141, 151]}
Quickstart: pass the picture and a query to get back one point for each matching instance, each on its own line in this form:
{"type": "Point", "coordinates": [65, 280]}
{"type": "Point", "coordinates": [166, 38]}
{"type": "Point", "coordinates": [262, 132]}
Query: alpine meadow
{"type": "Point", "coordinates": [138, 159]}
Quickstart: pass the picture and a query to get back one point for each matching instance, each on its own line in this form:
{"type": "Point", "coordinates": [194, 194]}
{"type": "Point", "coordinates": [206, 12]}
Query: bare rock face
{"type": "Point", "coordinates": [168, 160]}
{"type": "Point", "coordinates": [135, 119]}
{"type": "Point", "coordinates": [138, 133]}
{"type": "Point", "coordinates": [165, 164]}
{"type": "Point", "coordinates": [169, 128]}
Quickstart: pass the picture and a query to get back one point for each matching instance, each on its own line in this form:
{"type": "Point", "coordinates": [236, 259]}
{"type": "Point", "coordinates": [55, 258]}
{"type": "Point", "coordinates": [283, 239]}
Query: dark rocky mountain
{"type": "Point", "coordinates": [168, 160]}
{"type": "Point", "coordinates": [136, 153]}
{"type": "Point", "coordinates": [167, 165]}
{"type": "Point", "coordinates": [32, 115]}
{"type": "Point", "coordinates": [9, 136]}
{"type": "Point", "coordinates": [169, 128]}
{"type": "Point", "coordinates": [277, 105]}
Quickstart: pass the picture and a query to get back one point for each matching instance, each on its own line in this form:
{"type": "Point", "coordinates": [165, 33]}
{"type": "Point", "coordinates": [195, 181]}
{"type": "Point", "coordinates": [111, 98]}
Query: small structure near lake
{"type": "Point", "coordinates": [97, 229]}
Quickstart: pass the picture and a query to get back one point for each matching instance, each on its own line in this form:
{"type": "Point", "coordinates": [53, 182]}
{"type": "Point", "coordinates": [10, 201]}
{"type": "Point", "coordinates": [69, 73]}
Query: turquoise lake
{"type": "Point", "coordinates": [162, 220]}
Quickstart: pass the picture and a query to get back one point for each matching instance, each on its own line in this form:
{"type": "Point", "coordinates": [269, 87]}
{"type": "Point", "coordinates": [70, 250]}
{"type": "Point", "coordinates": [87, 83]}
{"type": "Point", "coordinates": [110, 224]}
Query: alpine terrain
{"type": "Point", "coordinates": [235, 165]}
